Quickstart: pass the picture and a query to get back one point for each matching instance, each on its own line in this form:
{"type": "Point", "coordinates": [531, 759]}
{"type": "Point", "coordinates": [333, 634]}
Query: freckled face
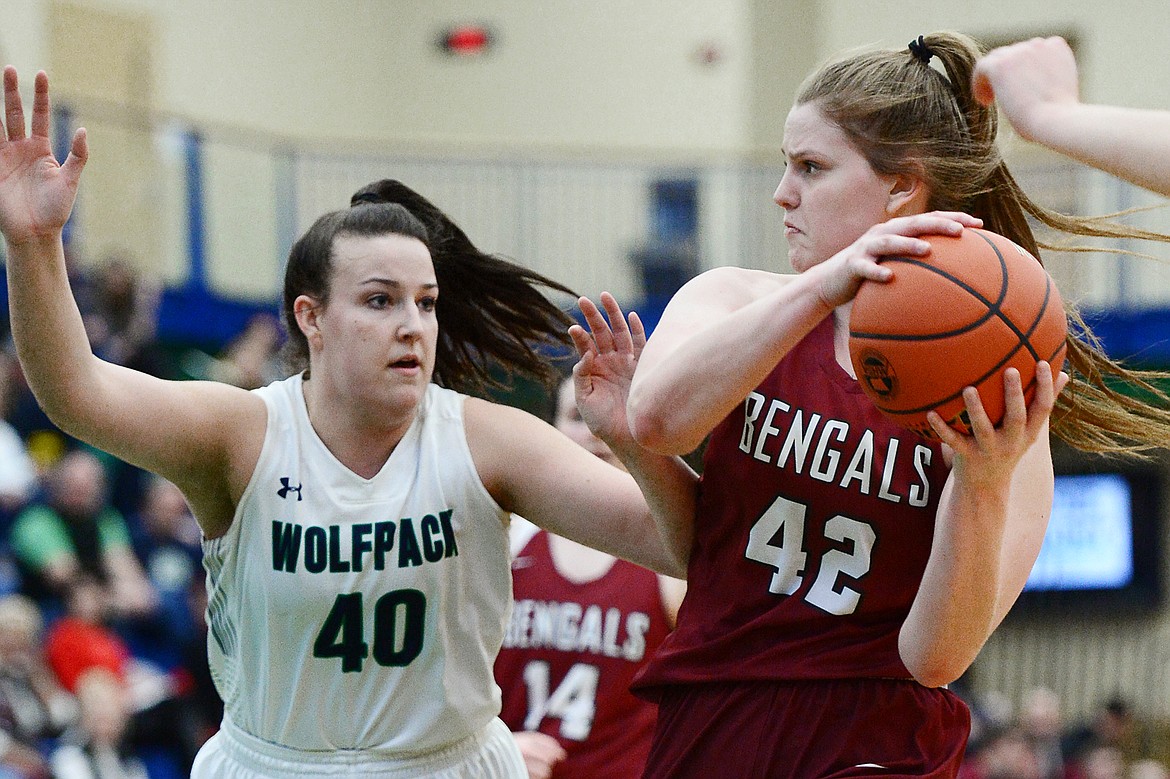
{"type": "Point", "coordinates": [377, 334]}
{"type": "Point", "coordinates": [829, 192]}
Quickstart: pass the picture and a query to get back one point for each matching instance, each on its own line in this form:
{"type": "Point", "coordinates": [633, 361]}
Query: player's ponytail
{"type": "Point", "coordinates": [494, 318]}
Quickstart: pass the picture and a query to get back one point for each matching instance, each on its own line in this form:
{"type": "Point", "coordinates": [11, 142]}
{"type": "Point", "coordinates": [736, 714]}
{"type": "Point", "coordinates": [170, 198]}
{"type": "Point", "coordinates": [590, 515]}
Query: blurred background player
{"type": "Point", "coordinates": [583, 623]}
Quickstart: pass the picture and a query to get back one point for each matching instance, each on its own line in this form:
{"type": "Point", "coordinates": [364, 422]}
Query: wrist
{"type": "Point", "coordinates": [1043, 120]}
{"type": "Point", "coordinates": [812, 284]}
{"type": "Point", "coordinates": [33, 243]}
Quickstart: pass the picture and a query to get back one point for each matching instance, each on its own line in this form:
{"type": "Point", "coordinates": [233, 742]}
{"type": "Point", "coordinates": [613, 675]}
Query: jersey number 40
{"type": "Point", "coordinates": [399, 621]}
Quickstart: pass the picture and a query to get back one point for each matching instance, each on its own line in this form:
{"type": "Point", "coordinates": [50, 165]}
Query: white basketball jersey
{"type": "Point", "coordinates": [360, 614]}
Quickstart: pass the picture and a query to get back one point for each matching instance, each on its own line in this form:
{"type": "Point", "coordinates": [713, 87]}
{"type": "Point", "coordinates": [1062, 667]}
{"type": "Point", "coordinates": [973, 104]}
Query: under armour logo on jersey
{"type": "Point", "coordinates": [286, 488]}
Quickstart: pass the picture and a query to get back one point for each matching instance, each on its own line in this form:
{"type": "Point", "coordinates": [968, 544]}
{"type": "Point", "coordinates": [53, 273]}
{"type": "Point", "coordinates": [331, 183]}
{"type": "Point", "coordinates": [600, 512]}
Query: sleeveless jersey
{"type": "Point", "coordinates": [360, 614]}
{"type": "Point", "coordinates": [814, 525]}
{"type": "Point", "coordinates": [569, 655]}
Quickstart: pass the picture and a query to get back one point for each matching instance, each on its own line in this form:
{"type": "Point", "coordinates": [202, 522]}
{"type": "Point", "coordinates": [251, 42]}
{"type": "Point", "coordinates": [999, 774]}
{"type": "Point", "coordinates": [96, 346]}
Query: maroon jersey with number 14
{"type": "Point", "coordinates": [569, 655]}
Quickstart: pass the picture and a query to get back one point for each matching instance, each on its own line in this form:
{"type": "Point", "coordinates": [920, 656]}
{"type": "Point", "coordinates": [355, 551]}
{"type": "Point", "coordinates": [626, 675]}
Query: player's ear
{"type": "Point", "coordinates": [308, 314]}
{"type": "Point", "coordinates": [908, 195]}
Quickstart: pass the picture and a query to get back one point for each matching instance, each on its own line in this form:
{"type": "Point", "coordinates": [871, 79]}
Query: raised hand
{"type": "Point", "coordinates": [36, 193]}
{"type": "Point", "coordinates": [609, 353]}
{"type": "Point", "coordinates": [1027, 79]}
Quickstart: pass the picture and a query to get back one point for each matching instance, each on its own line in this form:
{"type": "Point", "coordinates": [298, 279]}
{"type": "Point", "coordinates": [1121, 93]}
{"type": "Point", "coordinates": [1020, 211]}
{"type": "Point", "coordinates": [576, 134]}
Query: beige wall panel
{"type": "Point", "coordinates": [605, 73]}
{"type": "Point", "coordinates": [242, 253]}
{"type": "Point", "coordinates": [22, 35]}
{"type": "Point", "coordinates": [105, 58]}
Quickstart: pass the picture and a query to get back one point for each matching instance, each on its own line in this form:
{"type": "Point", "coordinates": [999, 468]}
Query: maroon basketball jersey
{"type": "Point", "coordinates": [814, 526]}
{"type": "Point", "coordinates": [569, 656]}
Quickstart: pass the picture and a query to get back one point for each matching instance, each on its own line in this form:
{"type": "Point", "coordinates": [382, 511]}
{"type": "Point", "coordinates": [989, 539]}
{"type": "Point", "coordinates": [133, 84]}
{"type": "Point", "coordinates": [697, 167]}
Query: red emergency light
{"type": "Point", "coordinates": [466, 40]}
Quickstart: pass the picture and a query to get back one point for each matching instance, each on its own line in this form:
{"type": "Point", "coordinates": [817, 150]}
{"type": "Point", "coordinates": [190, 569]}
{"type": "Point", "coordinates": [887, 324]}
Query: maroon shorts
{"type": "Point", "coordinates": [808, 729]}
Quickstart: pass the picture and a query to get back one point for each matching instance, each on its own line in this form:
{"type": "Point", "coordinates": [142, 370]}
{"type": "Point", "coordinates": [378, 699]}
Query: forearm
{"type": "Point", "coordinates": [954, 611]}
{"type": "Point", "coordinates": [1132, 144]}
{"type": "Point", "coordinates": [47, 328]}
{"type": "Point", "coordinates": [683, 388]}
{"type": "Point", "coordinates": [671, 491]}
{"type": "Point", "coordinates": [988, 533]}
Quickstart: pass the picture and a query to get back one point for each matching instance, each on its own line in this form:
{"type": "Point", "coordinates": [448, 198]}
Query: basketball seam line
{"type": "Point", "coordinates": [1023, 342]}
{"type": "Point", "coordinates": [993, 308]}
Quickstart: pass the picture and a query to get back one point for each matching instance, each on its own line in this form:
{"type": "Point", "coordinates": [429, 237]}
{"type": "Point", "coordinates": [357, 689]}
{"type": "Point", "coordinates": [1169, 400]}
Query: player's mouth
{"type": "Point", "coordinates": [407, 364]}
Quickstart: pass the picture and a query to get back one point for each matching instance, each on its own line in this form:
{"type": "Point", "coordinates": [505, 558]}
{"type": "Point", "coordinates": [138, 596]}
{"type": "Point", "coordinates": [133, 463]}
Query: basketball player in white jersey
{"type": "Point", "coordinates": [354, 515]}
{"type": "Point", "coordinates": [1035, 83]}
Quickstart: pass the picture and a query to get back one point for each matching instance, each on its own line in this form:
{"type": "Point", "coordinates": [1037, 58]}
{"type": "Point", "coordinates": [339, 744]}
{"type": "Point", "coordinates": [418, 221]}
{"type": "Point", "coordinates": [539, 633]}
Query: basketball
{"type": "Point", "coordinates": [958, 317]}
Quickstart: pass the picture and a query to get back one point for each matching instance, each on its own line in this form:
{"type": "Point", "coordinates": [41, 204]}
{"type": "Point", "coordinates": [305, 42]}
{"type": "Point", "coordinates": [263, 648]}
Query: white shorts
{"type": "Point", "coordinates": [233, 754]}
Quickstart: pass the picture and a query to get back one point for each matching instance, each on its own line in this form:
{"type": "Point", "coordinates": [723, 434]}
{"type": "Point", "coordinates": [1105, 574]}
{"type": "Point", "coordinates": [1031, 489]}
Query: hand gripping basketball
{"type": "Point", "coordinates": [959, 316]}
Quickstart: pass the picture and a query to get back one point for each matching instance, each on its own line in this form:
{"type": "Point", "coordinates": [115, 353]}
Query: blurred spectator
{"type": "Point", "coordinates": [1003, 753]}
{"type": "Point", "coordinates": [97, 747]}
{"type": "Point", "coordinates": [1114, 724]}
{"type": "Point", "coordinates": [1149, 769]}
{"type": "Point", "coordinates": [81, 642]}
{"type": "Point", "coordinates": [1042, 724]}
{"type": "Point", "coordinates": [1102, 762]}
{"type": "Point", "coordinates": [18, 472]}
{"type": "Point", "coordinates": [121, 317]}
{"type": "Point", "coordinates": [33, 706]}
{"type": "Point", "coordinates": [166, 539]}
{"type": "Point", "coordinates": [202, 706]}
{"type": "Point", "coordinates": [75, 530]}
{"type": "Point", "coordinates": [250, 360]}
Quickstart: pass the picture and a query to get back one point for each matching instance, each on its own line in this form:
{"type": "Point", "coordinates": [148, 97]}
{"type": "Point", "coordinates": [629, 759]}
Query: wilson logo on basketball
{"type": "Point", "coordinates": [878, 374]}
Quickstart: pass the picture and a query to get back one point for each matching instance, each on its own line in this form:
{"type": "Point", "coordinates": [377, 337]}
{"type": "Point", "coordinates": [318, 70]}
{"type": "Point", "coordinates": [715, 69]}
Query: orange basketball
{"type": "Point", "coordinates": [958, 317]}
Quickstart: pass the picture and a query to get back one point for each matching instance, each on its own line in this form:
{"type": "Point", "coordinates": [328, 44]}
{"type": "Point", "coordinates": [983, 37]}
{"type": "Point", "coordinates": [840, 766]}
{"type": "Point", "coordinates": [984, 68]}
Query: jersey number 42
{"type": "Point", "coordinates": [777, 540]}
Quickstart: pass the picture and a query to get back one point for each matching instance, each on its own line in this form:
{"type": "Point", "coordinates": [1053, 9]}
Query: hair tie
{"type": "Point", "coordinates": [921, 51]}
{"type": "Point", "coordinates": [366, 197]}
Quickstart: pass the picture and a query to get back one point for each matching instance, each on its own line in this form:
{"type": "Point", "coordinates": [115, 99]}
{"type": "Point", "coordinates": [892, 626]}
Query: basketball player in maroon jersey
{"type": "Point", "coordinates": [583, 623]}
{"type": "Point", "coordinates": [842, 571]}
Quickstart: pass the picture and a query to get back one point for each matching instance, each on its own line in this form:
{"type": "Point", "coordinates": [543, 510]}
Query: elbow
{"type": "Point", "coordinates": [649, 430]}
{"type": "Point", "coordinates": [934, 668]}
{"type": "Point", "coordinates": [59, 414]}
{"type": "Point", "coordinates": [936, 674]}
{"type": "Point", "coordinates": [674, 566]}
{"type": "Point", "coordinates": [651, 426]}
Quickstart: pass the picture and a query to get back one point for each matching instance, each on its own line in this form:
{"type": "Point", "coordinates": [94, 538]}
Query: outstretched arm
{"type": "Point", "coordinates": [609, 352]}
{"type": "Point", "coordinates": [1035, 83]}
{"type": "Point", "coordinates": [204, 437]}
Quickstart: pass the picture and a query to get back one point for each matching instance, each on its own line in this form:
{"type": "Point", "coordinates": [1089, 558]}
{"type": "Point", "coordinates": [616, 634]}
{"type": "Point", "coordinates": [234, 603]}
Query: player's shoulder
{"type": "Point", "coordinates": [734, 285]}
